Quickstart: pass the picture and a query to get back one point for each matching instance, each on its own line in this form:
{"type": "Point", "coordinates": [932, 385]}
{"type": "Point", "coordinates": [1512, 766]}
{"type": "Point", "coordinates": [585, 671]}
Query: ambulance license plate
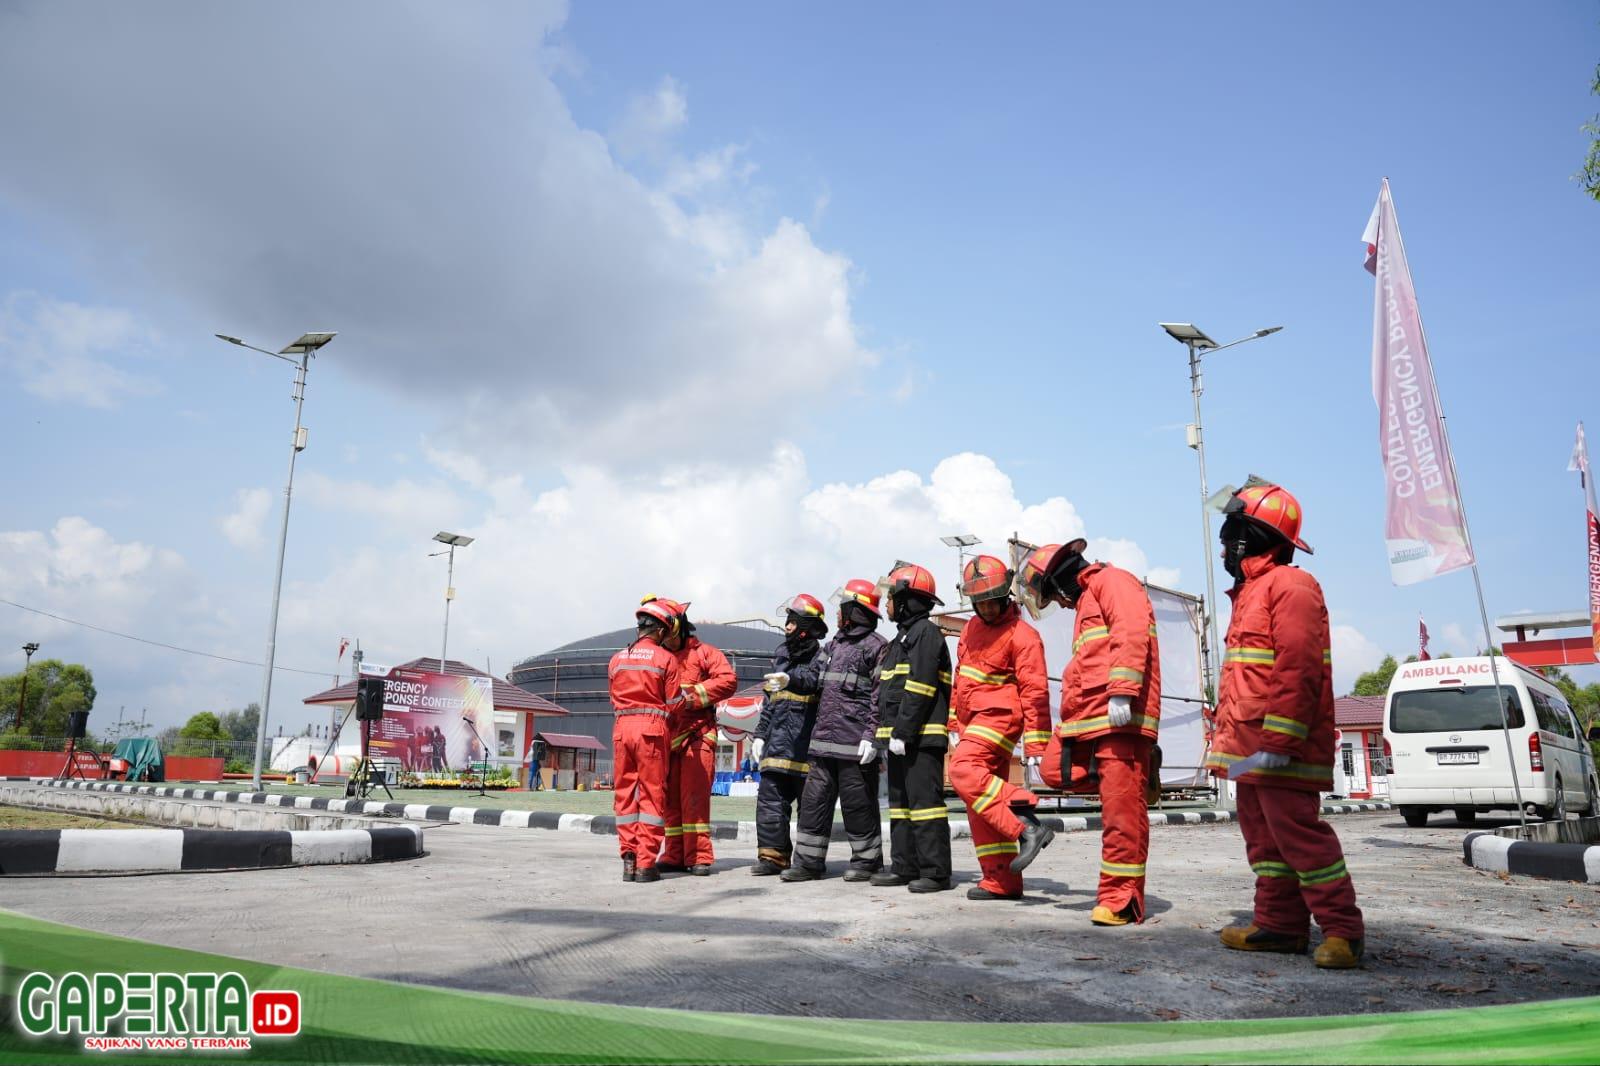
{"type": "Point", "coordinates": [1458, 757]}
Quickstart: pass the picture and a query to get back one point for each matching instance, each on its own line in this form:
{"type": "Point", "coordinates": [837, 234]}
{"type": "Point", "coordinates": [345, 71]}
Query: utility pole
{"type": "Point", "coordinates": [27, 664]}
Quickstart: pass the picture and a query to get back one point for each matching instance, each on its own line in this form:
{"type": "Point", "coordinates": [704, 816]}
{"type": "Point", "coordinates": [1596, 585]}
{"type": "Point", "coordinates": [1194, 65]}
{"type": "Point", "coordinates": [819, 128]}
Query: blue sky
{"type": "Point", "coordinates": [696, 300]}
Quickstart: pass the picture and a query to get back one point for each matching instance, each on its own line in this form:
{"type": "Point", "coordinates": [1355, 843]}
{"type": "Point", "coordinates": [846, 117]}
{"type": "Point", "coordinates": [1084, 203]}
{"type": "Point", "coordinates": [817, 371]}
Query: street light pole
{"type": "Point", "coordinates": [1198, 344]}
{"type": "Point", "coordinates": [27, 664]}
{"type": "Point", "coordinates": [305, 348]}
{"type": "Point", "coordinates": [454, 540]}
{"type": "Point", "coordinates": [961, 542]}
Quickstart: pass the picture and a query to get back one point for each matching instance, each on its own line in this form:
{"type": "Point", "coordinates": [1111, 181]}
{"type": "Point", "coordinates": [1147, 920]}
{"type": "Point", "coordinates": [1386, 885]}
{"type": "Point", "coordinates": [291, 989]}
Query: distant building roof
{"type": "Point", "coordinates": [507, 697]}
{"type": "Point", "coordinates": [1352, 712]}
{"type": "Point", "coordinates": [571, 740]}
{"type": "Point", "coordinates": [730, 640]}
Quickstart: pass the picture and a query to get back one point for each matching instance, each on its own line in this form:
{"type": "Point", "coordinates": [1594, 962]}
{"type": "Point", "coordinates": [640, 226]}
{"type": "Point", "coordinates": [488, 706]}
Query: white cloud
{"type": "Point", "coordinates": [71, 353]}
{"type": "Point", "coordinates": [574, 298]}
{"type": "Point", "coordinates": [242, 526]}
{"type": "Point", "coordinates": [1353, 654]}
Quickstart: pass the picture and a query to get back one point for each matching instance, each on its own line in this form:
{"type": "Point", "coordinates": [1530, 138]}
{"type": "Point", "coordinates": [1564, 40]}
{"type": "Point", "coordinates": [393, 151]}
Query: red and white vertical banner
{"type": "Point", "coordinates": [1422, 640]}
{"type": "Point", "coordinates": [1580, 463]}
{"type": "Point", "coordinates": [1425, 528]}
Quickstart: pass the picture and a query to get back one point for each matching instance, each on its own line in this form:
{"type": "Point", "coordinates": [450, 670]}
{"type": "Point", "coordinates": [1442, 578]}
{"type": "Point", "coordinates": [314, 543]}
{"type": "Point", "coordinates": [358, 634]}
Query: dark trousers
{"type": "Point", "coordinates": [775, 802]}
{"type": "Point", "coordinates": [919, 822]}
{"type": "Point", "coordinates": [856, 789]}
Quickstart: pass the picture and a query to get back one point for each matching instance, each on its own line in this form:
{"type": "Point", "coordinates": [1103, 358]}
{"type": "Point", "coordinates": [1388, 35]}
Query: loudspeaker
{"type": "Point", "coordinates": [369, 699]}
{"type": "Point", "coordinates": [78, 724]}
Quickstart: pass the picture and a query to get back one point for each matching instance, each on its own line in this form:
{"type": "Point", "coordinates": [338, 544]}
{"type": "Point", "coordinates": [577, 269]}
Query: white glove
{"type": "Point", "coordinates": [1121, 710]}
{"type": "Point", "coordinates": [1261, 760]}
{"type": "Point", "coordinates": [757, 746]}
{"type": "Point", "coordinates": [897, 746]}
{"type": "Point", "coordinates": [1031, 774]}
{"type": "Point", "coordinates": [955, 738]}
{"type": "Point", "coordinates": [1272, 760]}
{"type": "Point", "coordinates": [1033, 762]}
{"type": "Point", "coordinates": [775, 682]}
{"type": "Point", "coordinates": [867, 751]}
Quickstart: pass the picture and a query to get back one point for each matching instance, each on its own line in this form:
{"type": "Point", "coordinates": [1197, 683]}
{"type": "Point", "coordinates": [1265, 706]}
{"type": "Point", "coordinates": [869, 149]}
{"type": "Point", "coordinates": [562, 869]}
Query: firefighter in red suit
{"type": "Point", "coordinates": [1274, 735]}
{"type": "Point", "coordinates": [706, 680]}
{"type": "Point", "coordinates": [1001, 695]}
{"type": "Point", "coordinates": [1110, 712]}
{"type": "Point", "coordinates": [644, 682]}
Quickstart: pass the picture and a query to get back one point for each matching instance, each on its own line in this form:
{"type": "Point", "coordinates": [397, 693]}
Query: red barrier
{"type": "Point", "coordinates": [49, 764]}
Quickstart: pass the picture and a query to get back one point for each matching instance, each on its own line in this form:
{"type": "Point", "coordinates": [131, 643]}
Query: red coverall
{"type": "Point", "coordinates": [643, 679]}
{"type": "Point", "coordinates": [1002, 685]}
{"type": "Point", "coordinates": [1277, 695]}
{"type": "Point", "coordinates": [706, 680]}
{"type": "Point", "coordinates": [1114, 653]}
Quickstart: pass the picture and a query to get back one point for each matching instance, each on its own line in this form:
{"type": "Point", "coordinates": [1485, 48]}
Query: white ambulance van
{"type": "Point", "coordinates": [1448, 750]}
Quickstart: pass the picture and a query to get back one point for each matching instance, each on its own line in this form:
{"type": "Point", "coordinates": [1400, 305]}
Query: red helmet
{"type": "Point", "coordinates": [805, 605]}
{"type": "Point", "coordinates": [1032, 579]}
{"type": "Point", "coordinates": [1271, 507]}
{"type": "Point", "coordinates": [986, 578]}
{"type": "Point", "coordinates": [663, 611]}
{"type": "Point", "coordinates": [860, 590]}
{"type": "Point", "coordinates": [909, 577]}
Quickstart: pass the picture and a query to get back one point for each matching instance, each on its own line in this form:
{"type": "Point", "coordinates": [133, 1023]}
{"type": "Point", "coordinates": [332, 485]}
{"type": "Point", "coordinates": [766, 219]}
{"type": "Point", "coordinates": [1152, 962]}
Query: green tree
{"type": "Point", "coordinates": [1590, 174]}
{"type": "Point", "coordinates": [240, 724]}
{"type": "Point", "coordinates": [1376, 682]}
{"type": "Point", "coordinates": [202, 735]}
{"type": "Point", "coordinates": [55, 690]}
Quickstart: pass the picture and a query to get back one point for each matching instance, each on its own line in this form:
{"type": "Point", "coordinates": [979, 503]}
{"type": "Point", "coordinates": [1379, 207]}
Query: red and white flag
{"type": "Point", "coordinates": [344, 642]}
{"type": "Point", "coordinates": [1425, 528]}
{"type": "Point", "coordinates": [1422, 640]}
{"type": "Point", "coordinates": [1580, 463]}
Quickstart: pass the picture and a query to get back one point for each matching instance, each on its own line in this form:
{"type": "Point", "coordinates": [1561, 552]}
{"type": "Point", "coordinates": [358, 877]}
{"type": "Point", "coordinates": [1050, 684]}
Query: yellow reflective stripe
{"type": "Point", "coordinates": [1249, 655]}
{"type": "Point", "coordinates": [1092, 633]}
{"type": "Point", "coordinates": [935, 729]}
{"type": "Point", "coordinates": [884, 732]}
{"type": "Point", "coordinates": [1101, 721]}
{"type": "Point", "coordinates": [986, 798]}
{"type": "Point", "coordinates": [674, 830]}
{"type": "Point", "coordinates": [1152, 631]}
{"type": "Point", "coordinates": [993, 736]}
{"type": "Point", "coordinates": [1277, 723]}
{"type": "Point", "coordinates": [898, 813]}
{"type": "Point", "coordinates": [972, 673]}
{"type": "Point", "coordinates": [1327, 656]}
{"type": "Point", "coordinates": [775, 763]}
{"type": "Point", "coordinates": [921, 689]}
{"type": "Point", "coordinates": [1321, 877]}
{"type": "Point", "coordinates": [1004, 847]}
{"type": "Point", "coordinates": [1036, 736]}
{"type": "Point", "coordinates": [929, 814]}
{"type": "Point", "coordinates": [902, 668]}
{"type": "Point", "coordinates": [1218, 760]}
{"type": "Point", "coordinates": [705, 697]}
{"type": "Point", "coordinates": [786, 695]}
{"type": "Point", "coordinates": [1272, 869]}
{"type": "Point", "coordinates": [1127, 673]}
{"type": "Point", "coordinates": [1122, 869]}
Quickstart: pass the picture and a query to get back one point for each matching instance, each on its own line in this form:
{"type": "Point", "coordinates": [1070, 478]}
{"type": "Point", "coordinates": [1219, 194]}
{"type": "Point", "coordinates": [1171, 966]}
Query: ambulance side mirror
{"type": "Point", "coordinates": [1594, 732]}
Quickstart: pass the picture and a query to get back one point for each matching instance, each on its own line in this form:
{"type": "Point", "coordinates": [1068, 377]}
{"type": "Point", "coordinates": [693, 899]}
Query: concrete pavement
{"type": "Point", "coordinates": [546, 914]}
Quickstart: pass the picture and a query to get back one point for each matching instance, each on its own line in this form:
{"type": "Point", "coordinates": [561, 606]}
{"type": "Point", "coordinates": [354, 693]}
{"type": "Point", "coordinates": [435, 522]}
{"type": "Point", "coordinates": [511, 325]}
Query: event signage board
{"type": "Point", "coordinates": [432, 721]}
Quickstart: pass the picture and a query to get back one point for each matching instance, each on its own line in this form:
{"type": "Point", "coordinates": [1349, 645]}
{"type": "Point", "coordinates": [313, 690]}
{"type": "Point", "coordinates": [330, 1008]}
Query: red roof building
{"type": "Point", "coordinates": [1360, 761]}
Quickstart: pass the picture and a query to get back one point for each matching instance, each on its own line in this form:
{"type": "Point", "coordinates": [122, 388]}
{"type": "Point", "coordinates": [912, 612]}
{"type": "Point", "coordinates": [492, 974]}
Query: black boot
{"type": "Point", "coordinates": [975, 892]}
{"type": "Point", "coordinates": [1034, 839]}
{"type": "Point", "coordinates": [629, 870]}
{"type": "Point", "coordinates": [646, 876]}
{"type": "Point", "coordinates": [800, 873]}
{"type": "Point", "coordinates": [701, 869]}
{"type": "Point", "coordinates": [888, 879]}
{"type": "Point", "coordinates": [766, 868]}
{"type": "Point", "coordinates": [928, 884]}
{"type": "Point", "coordinates": [859, 873]}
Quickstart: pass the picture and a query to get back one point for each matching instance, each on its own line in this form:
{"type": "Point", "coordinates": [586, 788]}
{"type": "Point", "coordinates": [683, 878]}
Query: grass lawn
{"type": "Point", "coordinates": [32, 818]}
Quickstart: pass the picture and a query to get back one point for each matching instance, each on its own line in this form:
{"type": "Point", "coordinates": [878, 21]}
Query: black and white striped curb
{"type": "Point", "coordinates": [125, 851]}
{"type": "Point", "coordinates": [1531, 858]}
{"type": "Point", "coordinates": [606, 824]}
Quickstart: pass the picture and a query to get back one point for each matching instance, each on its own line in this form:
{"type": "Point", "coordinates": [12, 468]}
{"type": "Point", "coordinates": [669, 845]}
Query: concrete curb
{"type": "Point", "coordinates": [605, 824]}
{"type": "Point", "coordinates": [1556, 862]}
{"type": "Point", "coordinates": [126, 851]}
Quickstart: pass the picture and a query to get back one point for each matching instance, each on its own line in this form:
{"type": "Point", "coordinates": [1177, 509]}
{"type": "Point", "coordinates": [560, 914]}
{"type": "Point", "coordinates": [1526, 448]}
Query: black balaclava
{"type": "Point", "coordinates": [1065, 578]}
{"type": "Point", "coordinates": [857, 619]}
{"type": "Point", "coordinates": [808, 633]}
{"type": "Point", "coordinates": [910, 606]}
{"type": "Point", "coordinates": [1242, 539]}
